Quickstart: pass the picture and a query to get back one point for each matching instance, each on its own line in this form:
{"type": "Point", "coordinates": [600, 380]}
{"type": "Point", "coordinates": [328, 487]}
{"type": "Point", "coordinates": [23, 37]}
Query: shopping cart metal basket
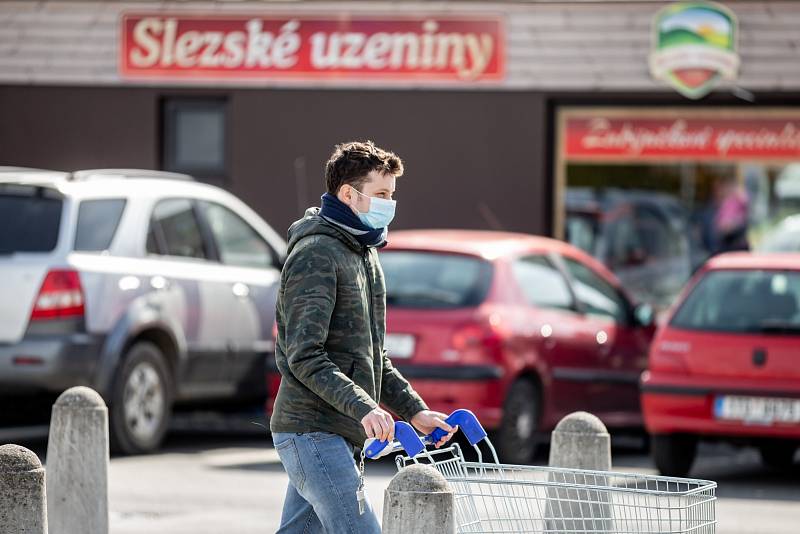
{"type": "Point", "coordinates": [494, 497]}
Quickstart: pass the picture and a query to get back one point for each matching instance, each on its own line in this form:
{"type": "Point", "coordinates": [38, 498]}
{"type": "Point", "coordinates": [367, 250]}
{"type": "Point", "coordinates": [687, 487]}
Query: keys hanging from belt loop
{"type": "Point", "coordinates": [361, 497]}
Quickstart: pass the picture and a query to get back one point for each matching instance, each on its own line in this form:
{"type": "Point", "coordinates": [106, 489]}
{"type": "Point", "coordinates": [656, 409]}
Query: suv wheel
{"type": "Point", "coordinates": [141, 401]}
{"type": "Point", "coordinates": [778, 454]}
{"type": "Point", "coordinates": [517, 434]}
{"type": "Point", "coordinates": [674, 454]}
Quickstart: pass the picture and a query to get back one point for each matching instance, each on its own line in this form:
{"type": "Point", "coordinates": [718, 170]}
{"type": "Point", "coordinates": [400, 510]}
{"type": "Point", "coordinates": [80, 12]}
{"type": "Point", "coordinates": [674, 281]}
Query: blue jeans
{"type": "Point", "coordinates": [323, 479]}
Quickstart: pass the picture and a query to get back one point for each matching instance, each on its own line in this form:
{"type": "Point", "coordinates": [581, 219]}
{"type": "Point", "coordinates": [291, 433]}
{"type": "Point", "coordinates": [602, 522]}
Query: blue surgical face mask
{"type": "Point", "coordinates": [381, 211]}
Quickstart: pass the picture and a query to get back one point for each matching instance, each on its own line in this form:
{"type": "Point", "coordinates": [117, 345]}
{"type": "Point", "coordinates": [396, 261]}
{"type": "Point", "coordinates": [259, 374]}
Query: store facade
{"type": "Point", "coordinates": [591, 121]}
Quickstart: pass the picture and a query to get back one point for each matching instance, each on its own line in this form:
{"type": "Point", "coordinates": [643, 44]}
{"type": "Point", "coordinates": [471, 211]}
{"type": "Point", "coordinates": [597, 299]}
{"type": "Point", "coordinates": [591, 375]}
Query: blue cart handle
{"type": "Point", "coordinates": [466, 421]}
{"type": "Point", "coordinates": [405, 438]}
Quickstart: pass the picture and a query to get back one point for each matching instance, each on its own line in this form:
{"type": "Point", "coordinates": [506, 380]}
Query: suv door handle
{"type": "Point", "coordinates": [240, 290]}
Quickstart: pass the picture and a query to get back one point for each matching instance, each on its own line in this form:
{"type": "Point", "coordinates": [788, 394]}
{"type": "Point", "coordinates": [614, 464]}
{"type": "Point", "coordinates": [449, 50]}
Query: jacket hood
{"type": "Point", "coordinates": [313, 224]}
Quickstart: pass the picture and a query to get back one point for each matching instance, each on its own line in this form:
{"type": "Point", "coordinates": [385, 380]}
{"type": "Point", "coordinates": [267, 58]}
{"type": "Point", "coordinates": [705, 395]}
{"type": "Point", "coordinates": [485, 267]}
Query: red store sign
{"type": "Point", "coordinates": [213, 47]}
{"type": "Point", "coordinates": [591, 138]}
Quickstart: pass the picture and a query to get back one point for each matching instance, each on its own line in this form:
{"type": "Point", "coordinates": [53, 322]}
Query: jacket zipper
{"type": "Point", "coordinates": [373, 338]}
{"type": "Point", "coordinates": [369, 289]}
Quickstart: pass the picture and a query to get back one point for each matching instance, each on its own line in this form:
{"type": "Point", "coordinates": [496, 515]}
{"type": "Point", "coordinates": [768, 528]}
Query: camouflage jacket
{"type": "Point", "coordinates": [331, 315]}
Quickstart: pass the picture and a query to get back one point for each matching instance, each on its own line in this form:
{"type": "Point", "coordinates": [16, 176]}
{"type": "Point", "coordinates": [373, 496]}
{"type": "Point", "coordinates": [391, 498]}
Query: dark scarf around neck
{"type": "Point", "coordinates": [340, 214]}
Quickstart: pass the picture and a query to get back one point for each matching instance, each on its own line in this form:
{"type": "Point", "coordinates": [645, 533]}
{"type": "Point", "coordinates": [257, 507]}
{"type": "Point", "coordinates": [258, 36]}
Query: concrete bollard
{"type": "Point", "coordinates": [23, 509]}
{"type": "Point", "coordinates": [77, 464]}
{"type": "Point", "coordinates": [418, 499]}
{"type": "Point", "coordinates": [579, 441]}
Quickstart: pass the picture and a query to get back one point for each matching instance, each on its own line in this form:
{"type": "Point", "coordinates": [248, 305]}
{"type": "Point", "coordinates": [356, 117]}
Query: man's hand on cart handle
{"type": "Point", "coordinates": [379, 424]}
{"type": "Point", "coordinates": [427, 421]}
{"type": "Point", "coordinates": [436, 428]}
{"type": "Point", "coordinates": [405, 438]}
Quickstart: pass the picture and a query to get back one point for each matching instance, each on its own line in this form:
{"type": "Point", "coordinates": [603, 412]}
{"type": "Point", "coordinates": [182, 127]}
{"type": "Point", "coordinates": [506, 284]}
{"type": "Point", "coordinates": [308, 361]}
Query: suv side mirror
{"type": "Point", "coordinates": [644, 314]}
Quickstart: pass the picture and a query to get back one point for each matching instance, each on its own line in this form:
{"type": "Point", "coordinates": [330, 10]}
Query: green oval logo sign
{"type": "Point", "coordinates": [694, 47]}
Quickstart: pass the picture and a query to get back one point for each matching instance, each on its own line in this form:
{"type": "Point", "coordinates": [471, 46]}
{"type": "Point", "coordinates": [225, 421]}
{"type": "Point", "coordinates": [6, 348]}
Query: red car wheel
{"type": "Point", "coordinates": [517, 434]}
{"type": "Point", "coordinates": [674, 454]}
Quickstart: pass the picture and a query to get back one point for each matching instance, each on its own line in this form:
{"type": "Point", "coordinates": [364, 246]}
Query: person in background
{"type": "Point", "coordinates": [731, 217]}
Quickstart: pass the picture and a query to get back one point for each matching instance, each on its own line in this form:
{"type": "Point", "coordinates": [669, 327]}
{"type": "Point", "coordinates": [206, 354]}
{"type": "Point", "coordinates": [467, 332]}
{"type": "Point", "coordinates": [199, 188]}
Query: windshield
{"type": "Point", "coordinates": [746, 301]}
{"type": "Point", "coordinates": [434, 280]}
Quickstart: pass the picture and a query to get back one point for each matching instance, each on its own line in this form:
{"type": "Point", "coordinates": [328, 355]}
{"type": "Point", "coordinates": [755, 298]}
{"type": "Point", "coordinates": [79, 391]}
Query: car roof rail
{"type": "Point", "coordinates": [11, 168]}
{"type": "Point", "coordinates": [94, 174]}
{"type": "Point", "coordinates": [29, 174]}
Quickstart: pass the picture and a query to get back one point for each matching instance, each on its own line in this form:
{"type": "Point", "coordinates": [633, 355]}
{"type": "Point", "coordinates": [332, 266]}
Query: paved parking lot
{"type": "Point", "coordinates": [232, 482]}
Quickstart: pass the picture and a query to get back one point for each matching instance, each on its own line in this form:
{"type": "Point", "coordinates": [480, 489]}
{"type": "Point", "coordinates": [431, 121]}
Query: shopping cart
{"type": "Point", "coordinates": [495, 497]}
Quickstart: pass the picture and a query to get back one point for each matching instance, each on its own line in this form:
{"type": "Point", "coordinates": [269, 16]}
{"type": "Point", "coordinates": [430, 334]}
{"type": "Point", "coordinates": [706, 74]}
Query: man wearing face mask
{"type": "Point", "coordinates": [331, 325]}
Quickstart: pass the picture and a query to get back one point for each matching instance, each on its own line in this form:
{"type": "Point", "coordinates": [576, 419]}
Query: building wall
{"type": "Point", "coordinates": [473, 159]}
{"type": "Point", "coordinates": [69, 128]}
{"type": "Point", "coordinates": [577, 45]}
{"type": "Point", "coordinates": [478, 152]}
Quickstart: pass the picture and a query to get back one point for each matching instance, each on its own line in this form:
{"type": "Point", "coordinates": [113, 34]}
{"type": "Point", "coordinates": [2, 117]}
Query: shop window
{"type": "Point", "coordinates": [653, 193]}
{"type": "Point", "coordinates": [194, 137]}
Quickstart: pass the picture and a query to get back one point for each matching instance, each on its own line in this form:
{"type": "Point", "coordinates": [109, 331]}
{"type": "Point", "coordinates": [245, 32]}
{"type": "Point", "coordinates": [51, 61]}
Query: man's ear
{"type": "Point", "coordinates": [344, 194]}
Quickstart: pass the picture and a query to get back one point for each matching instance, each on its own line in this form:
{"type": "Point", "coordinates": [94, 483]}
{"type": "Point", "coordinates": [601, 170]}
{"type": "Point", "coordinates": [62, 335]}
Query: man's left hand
{"type": "Point", "coordinates": [427, 421]}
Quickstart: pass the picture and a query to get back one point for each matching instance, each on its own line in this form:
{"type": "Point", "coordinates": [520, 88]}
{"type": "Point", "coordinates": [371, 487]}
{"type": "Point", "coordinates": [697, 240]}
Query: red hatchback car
{"type": "Point", "coordinates": [521, 330]}
{"type": "Point", "coordinates": [726, 366]}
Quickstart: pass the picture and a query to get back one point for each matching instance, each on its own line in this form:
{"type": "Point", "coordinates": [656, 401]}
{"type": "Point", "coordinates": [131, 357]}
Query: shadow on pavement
{"type": "Point", "coordinates": [738, 472]}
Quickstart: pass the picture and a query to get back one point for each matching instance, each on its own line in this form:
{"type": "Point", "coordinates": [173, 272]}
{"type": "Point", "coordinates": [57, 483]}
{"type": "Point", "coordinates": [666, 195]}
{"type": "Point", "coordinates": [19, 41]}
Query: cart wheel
{"type": "Point", "coordinates": [674, 454]}
{"type": "Point", "coordinates": [517, 433]}
{"type": "Point", "coordinates": [778, 454]}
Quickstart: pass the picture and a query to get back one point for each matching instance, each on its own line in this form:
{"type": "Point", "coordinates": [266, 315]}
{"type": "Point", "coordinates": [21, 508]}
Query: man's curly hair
{"type": "Point", "coordinates": [351, 162]}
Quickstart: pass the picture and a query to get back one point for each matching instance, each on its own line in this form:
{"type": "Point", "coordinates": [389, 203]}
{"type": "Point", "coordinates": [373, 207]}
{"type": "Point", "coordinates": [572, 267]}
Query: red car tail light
{"type": "Point", "coordinates": [478, 342]}
{"type": "Point", "coordinates": [60, 296]}
{"type": "Point", "coordinates": [670, 357]}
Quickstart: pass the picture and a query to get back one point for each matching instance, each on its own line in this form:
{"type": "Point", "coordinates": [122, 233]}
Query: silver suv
{"type": "Point", "coordinates": [147, 286]}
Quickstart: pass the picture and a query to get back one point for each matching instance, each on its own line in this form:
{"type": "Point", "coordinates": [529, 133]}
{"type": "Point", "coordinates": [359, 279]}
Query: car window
{"type": "Point", "coordinates": [542, 283]}
{"type": "Point", "coordinates": [174, 230]}
{"type": "Point", "coordinates": [238, 243]}
{"type": "Point", "coordinates": [598, 296]}
{"type": "Point", "coordinates": [753, 301]}
{"type": "Point", "coordinates": [434, 280]}
{"type": "Point", "coordinates": [658, 237]}
{"type": "Point", "coordinates": [97, 223]}
{"type": "Point", "coordinates": [640, 235]}
{"type": "Point", "coordinates": [30, 219]}
{"type": "Point", "coordinates": [626, 247]}
{"type": "Point", "coordinates": [581, 231]}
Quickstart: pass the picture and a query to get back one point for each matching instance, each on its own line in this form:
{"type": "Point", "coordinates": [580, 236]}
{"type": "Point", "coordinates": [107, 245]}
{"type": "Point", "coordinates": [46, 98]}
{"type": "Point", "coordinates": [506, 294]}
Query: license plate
{"type": "Point", "coordinates": [757, 410]}
{"type": "Point", "coordinates": [399, 345]}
